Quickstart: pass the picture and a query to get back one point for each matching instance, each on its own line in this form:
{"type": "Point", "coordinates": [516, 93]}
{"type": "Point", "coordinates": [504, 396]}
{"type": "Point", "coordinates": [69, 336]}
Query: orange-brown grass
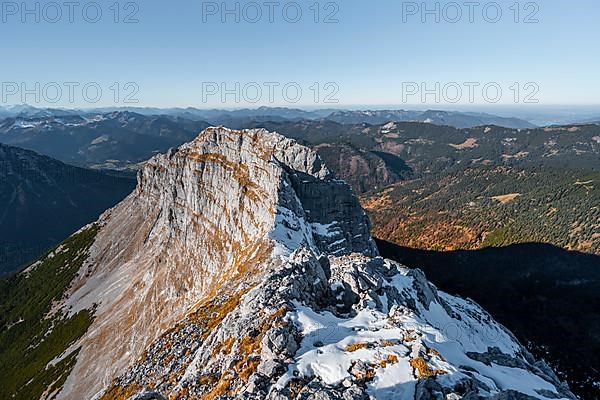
{"type": "Point", "coordinates": [224, 347]}
{"type": "Point", "coordinates": [295, 387]}
{"type": "Point", "coordinates": [209, 313]}
{"type": "Point", "coordinates": [424, 370]}
{"type": "Point", "coordinates": [214, 312]}
{"type": "Point", "coordinates": [220, 389]}
{"type": "Point", "coordinates": [120, 392]}
{"type": "Point", "coordinates": [433, 352]}
{"type": "Point", "coordinates": [409, 336]}
{"type": "Point", "coordinates": [247, 350]}
{"type": "Point", "coordinates": [239, 171]}
{"type": "Point", "coordinates": [209, 379]}
{"type": "Point", "coordinates": [356, 346]}
{"type": "Point", "coordinates": [390, 359]}
{"type": "Point", "coordinates": [367, 376]}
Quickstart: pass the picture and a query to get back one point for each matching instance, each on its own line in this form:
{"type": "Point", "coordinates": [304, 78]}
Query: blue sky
{"type": "Point", "coordinates": [181, 53]}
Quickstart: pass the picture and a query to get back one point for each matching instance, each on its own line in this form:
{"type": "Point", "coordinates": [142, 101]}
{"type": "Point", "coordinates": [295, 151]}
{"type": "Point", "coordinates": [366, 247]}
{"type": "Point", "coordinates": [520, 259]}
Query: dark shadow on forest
{"type": "Point", "coordinates": [545, 294]}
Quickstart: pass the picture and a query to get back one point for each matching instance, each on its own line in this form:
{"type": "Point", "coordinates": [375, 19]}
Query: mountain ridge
{"type": "Point", "coordinates": [438, 117]}
{"type": "Point", "coordinates": [457, 119]}
{"type": "Point", "coordinates": [44, 200]}
{"type": "Point", "coordinates": [241, 268]}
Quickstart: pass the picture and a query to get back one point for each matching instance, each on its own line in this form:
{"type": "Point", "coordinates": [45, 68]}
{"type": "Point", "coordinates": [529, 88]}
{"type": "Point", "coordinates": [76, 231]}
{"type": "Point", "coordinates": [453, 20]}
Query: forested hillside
{"type": "Point", "coordinates": [470, 208]}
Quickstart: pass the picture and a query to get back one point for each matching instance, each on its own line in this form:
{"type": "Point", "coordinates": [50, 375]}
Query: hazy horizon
{"type": "Point", "coordinates": [539, 115]}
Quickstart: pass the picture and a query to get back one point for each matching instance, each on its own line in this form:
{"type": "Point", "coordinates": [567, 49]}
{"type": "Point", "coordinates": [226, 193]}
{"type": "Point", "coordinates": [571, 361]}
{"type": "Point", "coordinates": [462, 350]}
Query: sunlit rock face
{"type": "Point", "coordinates": [240, 268]}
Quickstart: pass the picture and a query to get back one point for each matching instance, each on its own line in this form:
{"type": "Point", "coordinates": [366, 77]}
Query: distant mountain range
{"type": "Point", "coordinates": [454, 119]}
{"type": "Point", "coordinates": [28, 111]}
{"type": "Point", "coordinates": [226, 117]}
{"type": "Point", "coordinates": [594, 120]}
{"type": "Point", "coordinates": [371, 157]}
{"type": "Point", "coordinates": [277, 113]}
{"type": "Point", "coordinates": [42, 201]}
{"type": "Point", "coordinates": [117, 140]}
{"type": "Point", "coordinates": [383, 153]}
{"type": "Point", "coordinates": [506, 117]}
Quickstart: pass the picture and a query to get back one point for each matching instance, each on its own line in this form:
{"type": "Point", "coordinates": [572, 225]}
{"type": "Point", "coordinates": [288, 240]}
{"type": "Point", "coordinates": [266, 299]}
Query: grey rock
{"type": "Point", "coordinates": [494, 355]}
{"type": "Point", "coordinates": [280, 341]}
{"type": "Point", "coordinates": [271, 368]}
{"type": "Point", "coordinates": [425, 292]}
{"type": "Point", "coordinates": [512, 395]}
{"type": "Point", "coordinates": [148, 395]}
{"type": "Point", "coordinates": [429, 389]}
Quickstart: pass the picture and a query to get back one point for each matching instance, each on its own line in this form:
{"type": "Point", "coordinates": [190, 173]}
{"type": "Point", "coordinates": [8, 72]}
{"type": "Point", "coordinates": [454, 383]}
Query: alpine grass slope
{"type": "Point", "coordinates": [240, 268]}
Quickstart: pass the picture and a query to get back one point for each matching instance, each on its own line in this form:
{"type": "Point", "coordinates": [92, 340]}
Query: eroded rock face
{"type": "Point", "coordinates": [240, 268]}
{"type": "Point", "coordinates": [203, 215]}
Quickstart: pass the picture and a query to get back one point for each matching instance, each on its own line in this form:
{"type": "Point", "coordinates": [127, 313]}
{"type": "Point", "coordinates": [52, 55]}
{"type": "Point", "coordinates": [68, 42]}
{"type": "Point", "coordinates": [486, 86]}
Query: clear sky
{"type": "Point", "coordinates": [358, 52]}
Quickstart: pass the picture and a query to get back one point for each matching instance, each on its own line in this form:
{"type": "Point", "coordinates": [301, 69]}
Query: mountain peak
{"type": "Point", "coordinates": [255, 178]}
{"type": "Point", "coordinates": [205, 216]}
{"type": "Point", "coordinates": [240, 268]}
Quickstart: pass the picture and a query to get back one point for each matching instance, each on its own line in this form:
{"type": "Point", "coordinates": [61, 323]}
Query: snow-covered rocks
{"type": "Point", "coordinates": [404, 340]}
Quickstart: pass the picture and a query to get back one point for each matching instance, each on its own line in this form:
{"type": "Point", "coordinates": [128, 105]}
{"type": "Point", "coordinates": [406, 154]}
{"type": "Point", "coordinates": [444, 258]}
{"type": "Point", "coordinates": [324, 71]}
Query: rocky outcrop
{"type": "Point", "coordinates": [240, 268]}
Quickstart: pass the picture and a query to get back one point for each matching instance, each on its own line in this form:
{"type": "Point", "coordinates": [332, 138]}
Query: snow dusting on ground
{"type": "Point", "coordinates": [399, 347]}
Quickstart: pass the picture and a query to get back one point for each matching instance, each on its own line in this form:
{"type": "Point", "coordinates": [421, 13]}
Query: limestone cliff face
{"type": "Point", "coordinates": [202, 216]}
{"type": "Point", "coordinates": [240, 268]}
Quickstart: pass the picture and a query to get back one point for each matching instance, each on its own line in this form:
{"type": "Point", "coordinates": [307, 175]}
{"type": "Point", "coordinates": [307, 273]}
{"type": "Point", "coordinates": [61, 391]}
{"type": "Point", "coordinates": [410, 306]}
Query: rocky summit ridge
{"type": "Point", "coordinates": [240, 268]}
